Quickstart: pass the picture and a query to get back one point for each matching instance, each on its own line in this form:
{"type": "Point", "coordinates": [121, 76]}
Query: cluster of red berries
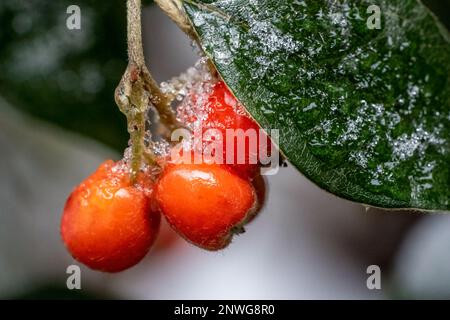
{"type": "Point", "coordinates": [110, 223]}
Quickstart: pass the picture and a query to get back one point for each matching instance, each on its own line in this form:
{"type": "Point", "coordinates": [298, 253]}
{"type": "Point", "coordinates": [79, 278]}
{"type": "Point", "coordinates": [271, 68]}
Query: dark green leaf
{"type": "Point", "coordinates": [364, 113]}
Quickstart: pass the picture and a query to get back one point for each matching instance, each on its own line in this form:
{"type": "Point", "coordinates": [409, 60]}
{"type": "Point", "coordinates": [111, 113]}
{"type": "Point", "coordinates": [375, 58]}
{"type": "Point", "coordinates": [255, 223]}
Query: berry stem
{"type": "Point", "coordinates": [131, 95]}
{"type": "Point", "coordinates": [136, 90]}
{"type": "Point", "coordinates": [134, 33]}
{"type": "Point", "coordinates": [174, 10]}
{"type": "Point", "coordinates": [161, 101]}
{"type": "Point", "coordinates": [132, 100]}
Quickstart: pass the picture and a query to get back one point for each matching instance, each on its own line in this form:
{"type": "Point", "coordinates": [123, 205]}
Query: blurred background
{"type": "Point", "coordinates": [58, 122]}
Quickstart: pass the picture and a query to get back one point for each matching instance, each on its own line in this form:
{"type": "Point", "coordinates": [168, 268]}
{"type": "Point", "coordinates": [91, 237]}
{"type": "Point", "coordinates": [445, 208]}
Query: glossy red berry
{"type": "Point", "coordinates": [221, 111]}
{"type": "Point", "coordinates": [206, 204]}
{"type": "Point", "coordinates": [108, 223]}
{"type": "Point", "coordinates": [259, 184]}
{"type": "Point", "coordinates": [225, 112]}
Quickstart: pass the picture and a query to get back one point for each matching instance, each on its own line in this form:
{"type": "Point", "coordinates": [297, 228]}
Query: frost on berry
{"type": "Point", "coordinates": [108, 222]}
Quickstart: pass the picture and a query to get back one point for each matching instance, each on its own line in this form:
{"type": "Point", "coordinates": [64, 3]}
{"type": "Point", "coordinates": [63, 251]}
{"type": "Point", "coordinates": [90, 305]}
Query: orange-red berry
{"type": "Point", "coordinates": [225, 112]}
{"type": "Point", "coordinates": [108, 223]}
{"type": "Point", "coordinates": [205, 203]}
{"type": "Point", "coordinates": [221, 111]}
{"type": "Point", "coordinates": [259, 183]}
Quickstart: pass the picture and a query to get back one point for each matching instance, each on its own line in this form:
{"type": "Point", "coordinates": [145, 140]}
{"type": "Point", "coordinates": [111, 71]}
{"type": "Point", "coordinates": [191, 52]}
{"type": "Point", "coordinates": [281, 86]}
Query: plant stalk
{"type": "Point", "coordinates": [174, 10]}
{"type": "Point", "coordinates": [136, 90]}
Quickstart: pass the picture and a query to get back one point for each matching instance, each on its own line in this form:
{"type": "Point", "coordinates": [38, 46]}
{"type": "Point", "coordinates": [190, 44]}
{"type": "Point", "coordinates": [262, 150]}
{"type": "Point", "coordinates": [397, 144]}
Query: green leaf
{"type": "Point", "coordinates": [364, 113]}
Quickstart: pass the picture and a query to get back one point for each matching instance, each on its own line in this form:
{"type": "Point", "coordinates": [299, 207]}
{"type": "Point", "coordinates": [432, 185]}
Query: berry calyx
{"type": "Point", "coordinates": [205, 203]}
{"type": "Point", "coordinates": [108, 223]}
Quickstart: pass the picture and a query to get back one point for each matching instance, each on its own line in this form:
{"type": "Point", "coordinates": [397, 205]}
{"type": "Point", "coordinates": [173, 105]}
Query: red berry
{"type": "Point", "coordinates": [225, 112]}
{"type": "Point", "coordinates": [206, 204]}
{"type": "Point", "coordinates": [108, 223]}
{"type": "Point", "coordinates": [259, 183]}
{"type": "Point", "coordinates": [222, 111]}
